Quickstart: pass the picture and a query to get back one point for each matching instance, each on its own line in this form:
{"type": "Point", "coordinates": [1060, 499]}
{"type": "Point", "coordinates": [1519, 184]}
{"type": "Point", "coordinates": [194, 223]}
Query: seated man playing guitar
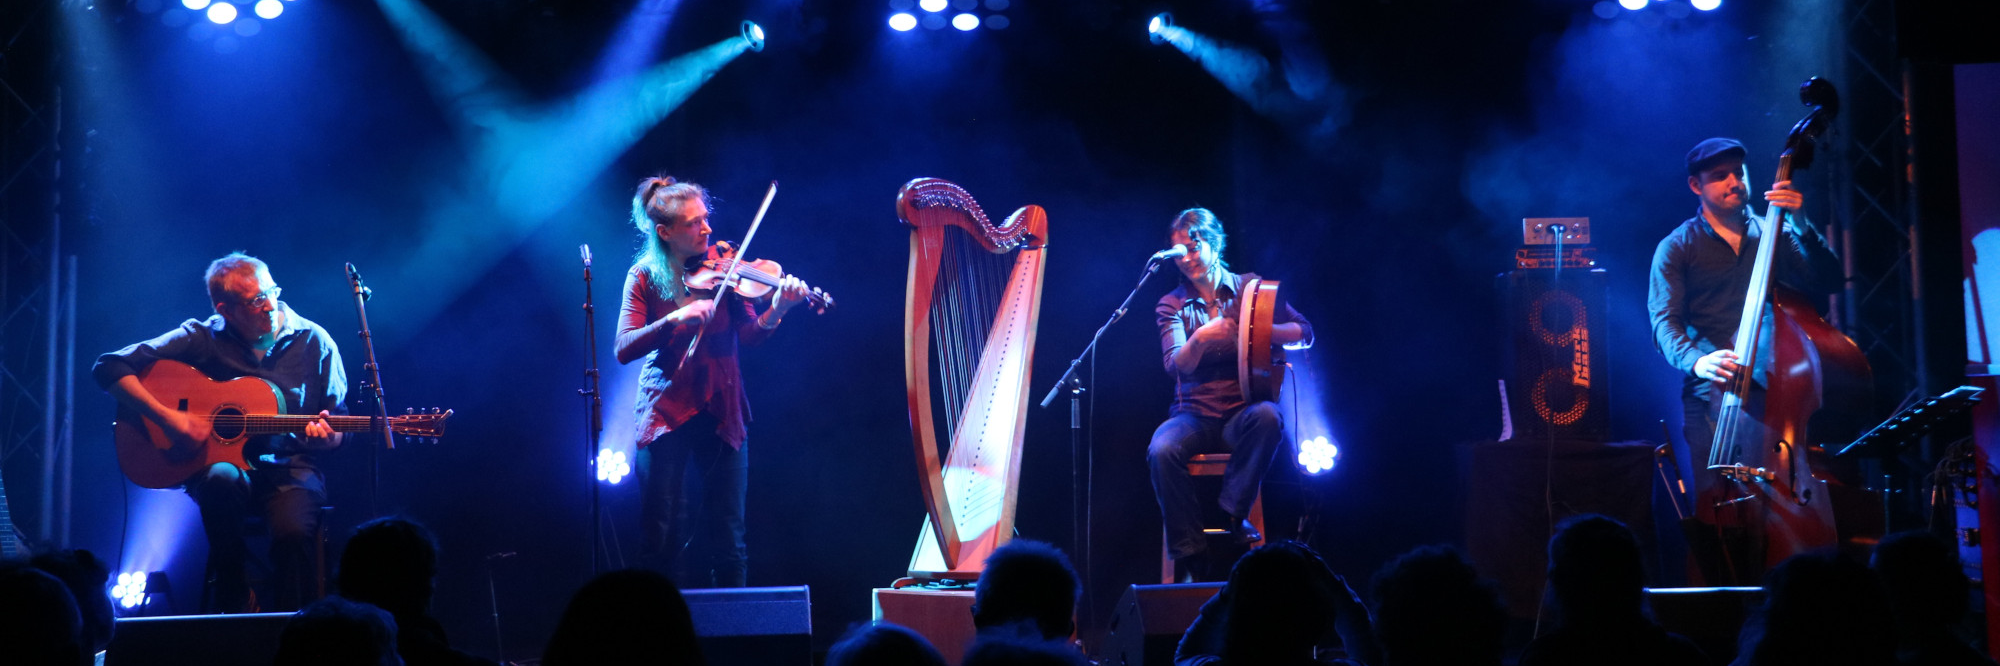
{"type": "Point", "coordinates": [1211, 414]}
{"type": "Point", "coordinates": [252, 334]}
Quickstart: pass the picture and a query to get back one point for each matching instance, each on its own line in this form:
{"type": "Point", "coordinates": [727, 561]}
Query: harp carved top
{"type": "Point", "coordinates": [927, 202]}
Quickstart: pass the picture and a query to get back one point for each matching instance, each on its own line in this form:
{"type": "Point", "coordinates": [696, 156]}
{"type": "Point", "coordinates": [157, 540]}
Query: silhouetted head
{"type": "Point", "coordinates": [1926, 583]}
{"type": "Point", "coordinates": [87, 578]}
{"type": "Point", "coordinates": [1018, 645]}
{"type": "Point", "coordinates": [630, 617]}
{"type": "Point", "coordinates": [1027, 580]}
{"type": "Point", "coordinates": [338, 632]}
{"type": "Point", "coordinates": [883, 644]}
{"type": "Point", "coordinates": [1278, 603]}
{"type": "Point", "coordinates": [1433, 608]}
{"type": "Point", "coordinates": [1824, 609]}
{"type": "Point", "coordinates": [1595, 570]}
{"type": "Point", "coordinates": [39, 623]}
{"type": "Point", "coordinates": [391, 563]}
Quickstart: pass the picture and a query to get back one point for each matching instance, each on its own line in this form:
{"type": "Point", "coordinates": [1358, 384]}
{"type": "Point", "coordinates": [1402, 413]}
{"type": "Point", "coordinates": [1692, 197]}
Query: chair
{"type": "Point", "coordinates": [1210, 465]}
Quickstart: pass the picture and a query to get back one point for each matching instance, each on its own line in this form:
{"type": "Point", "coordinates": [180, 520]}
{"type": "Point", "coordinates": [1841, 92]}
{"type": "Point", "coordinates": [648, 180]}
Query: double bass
{"type": "Point", "coordinates": [1767, 491]}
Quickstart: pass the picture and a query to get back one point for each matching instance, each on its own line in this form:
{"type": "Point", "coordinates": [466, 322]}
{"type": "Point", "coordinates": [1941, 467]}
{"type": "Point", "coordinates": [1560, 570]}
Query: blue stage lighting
{"type": "Point", "coordinates": [221, 12]}
{"type": "Point", "coordinates": [902, 22]}
{"type": "Point", "coordinates": [270, 9]}
{"type": "Point", "coordinates": [933, 5]}
{"type": "Point", "coordinates": [1634, 5]}
{"type": "Point", "coordinates": [196, 5]}
{"type": "Point", "coordinates": [612, 467]}
{"type": "Point", "coordinates": [966, 22]}
{"type": "Point", "coordinates": [754, 35]}
{"type": "Point", "coordinates": [1156, 29]}
{"type": "Point", "coordinates": [1706, 5]}
{"type": "Point", "coordinates": [1317, 455]}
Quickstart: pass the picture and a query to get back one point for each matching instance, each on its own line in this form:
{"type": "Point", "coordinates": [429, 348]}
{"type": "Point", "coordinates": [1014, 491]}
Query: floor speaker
{"type": "Point", "coordinates": [753, 626]}
{"type": "Point", "coordinates": [249, 639]}
{"type": "Point", "coordinates": [1149, 620]}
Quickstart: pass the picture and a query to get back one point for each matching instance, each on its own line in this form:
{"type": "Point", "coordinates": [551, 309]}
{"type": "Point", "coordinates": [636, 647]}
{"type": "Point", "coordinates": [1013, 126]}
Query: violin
{"type": "Point", "coordinates": [756, 279]}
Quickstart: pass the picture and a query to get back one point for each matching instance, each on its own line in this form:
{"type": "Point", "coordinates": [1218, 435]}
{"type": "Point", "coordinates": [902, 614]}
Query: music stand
{"type": "Point", "coordinates": [1888, 439]}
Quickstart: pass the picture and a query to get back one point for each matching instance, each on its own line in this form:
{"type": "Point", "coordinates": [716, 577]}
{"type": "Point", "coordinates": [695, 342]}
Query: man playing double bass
{"type": "Point", "coordinates": [1701, 273]}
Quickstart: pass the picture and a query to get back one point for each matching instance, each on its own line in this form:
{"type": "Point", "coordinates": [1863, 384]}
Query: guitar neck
{"type": "Point", "coordinates": [279, 424]}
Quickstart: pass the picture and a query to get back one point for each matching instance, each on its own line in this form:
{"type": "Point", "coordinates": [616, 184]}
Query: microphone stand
{"type": "Point", "coordinates": [371, 386]}
{"type": "Point", "coordinates": [1079, 511]}
{"type": "Point", "coordinates": [593, 415]}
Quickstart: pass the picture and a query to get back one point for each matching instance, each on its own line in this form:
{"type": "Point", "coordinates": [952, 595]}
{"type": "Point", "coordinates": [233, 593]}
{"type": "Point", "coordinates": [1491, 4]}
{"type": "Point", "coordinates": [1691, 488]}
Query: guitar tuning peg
{"type": "Point", "coordinates": [409, 410]}
{"type": "Point", "coordinates": [437, 410]}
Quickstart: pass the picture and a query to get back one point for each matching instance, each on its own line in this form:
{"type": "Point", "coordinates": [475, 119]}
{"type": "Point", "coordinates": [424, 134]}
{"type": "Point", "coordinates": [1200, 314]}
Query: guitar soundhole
{"type": "Point", "coordinates": [228, 423]}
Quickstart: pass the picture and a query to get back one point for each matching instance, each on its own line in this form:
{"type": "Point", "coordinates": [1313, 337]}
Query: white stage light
{"type": "Point", "coordinates": [270, 9]}
{"type": "Point", "coordinates": [902, 22]}
{"type": "Point", "coordinates": [966, 22]}
{"type": "Point", "coordinates": [221, 13]}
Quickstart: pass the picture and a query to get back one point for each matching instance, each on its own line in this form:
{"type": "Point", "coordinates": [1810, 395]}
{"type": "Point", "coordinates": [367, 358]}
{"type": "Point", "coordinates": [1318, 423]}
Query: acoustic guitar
{"type": "Point", "coordinates": [237, 410]}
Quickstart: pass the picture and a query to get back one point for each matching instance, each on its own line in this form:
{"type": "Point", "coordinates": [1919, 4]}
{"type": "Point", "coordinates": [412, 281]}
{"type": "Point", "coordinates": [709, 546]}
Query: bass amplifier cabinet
{"type": "Point", "coordinates": [755, 625]}
{"type": "Point", "coordinates": [1555, 324]}
{"type": "Point", "coordinates": [1149, 621]}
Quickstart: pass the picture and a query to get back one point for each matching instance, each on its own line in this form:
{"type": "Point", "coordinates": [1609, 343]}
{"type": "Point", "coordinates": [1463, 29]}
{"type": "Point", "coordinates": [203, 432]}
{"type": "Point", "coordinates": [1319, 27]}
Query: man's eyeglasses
{"type": "Point", "coordinates": [267, 297]}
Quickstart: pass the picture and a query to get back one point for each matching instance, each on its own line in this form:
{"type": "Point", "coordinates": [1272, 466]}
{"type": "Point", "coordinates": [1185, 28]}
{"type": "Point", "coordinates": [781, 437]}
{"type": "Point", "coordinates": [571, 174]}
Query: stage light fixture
{"type": "Point", "coordinates": [1706, 5]}
{"type": "Point", "coordinates": [221, 13]}
{"type": "Point", "coordinates": [933, 6]}
{"type": "Point", "coordinates": [135, 588]}
{"type": "Point", "coordinates": [1317, 455]}
{"type": "Point", "coordinates": [1156, 29]}
{"type": "Point", "coordinates": [754, 35]}
{"type": "Point", "coordinates": [270, 9]}
{"type": "Point", "coordinates": [1634, 5]}
{"type": "Point", "coordinates": [902, 22]}
{"type": "Point", "coordinates": [196, 5]}
{"type": "Point", "coordinates": [612, 467]}
{"type": "Point", "coordinates": [965, 22]}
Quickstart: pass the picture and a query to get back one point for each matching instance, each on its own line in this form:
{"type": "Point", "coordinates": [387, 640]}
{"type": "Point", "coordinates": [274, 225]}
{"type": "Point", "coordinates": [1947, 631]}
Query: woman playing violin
{"type": "Point", "coordinates": [692, 414]}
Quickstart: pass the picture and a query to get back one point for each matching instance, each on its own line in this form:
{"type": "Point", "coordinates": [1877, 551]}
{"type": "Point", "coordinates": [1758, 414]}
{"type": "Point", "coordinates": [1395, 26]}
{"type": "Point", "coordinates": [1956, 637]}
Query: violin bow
{"type": "Point", "coordinates": [729, 278]}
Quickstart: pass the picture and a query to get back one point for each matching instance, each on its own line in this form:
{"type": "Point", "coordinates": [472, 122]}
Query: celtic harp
{"type": "Point", "coordinates": [974, 295]}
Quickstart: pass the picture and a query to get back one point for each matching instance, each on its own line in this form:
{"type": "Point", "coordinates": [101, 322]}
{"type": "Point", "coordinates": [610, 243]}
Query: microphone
{"type": "Point", "coordinates": [586, 255]}
{"type": "Point", "coordinates": [1174, 252]}
{"type": "Point", "coordinates": [354, 277]}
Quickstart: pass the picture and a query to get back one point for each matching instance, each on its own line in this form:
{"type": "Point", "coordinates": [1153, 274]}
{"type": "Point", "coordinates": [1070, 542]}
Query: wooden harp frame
{"type": "Point", "coordinates": [985, 446]}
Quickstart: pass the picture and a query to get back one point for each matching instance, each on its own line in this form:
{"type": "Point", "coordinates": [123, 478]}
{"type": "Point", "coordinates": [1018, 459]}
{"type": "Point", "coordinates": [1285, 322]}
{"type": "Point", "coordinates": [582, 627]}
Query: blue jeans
{"type": "Point", "coordinates": [691, 510]}
{"type": "Point", "coordinates": [1252, 438]}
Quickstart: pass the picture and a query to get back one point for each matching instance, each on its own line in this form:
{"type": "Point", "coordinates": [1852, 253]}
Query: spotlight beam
{"type": "Point", "coordinates": [1300, 101]}
{"type": "Point", "coordinates": [528, 160]}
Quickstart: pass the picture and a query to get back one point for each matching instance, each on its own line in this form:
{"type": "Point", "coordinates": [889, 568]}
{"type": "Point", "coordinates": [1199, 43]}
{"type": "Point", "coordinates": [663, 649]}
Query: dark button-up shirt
{"type": "Point", "coordinates": [304, 364]}
{"type": "Point", "coordinates": [1212, 389]}
{"type": "Point", "coordinates": [711, 381]}
{"type": "Point", "coordinates": [1698, 283]}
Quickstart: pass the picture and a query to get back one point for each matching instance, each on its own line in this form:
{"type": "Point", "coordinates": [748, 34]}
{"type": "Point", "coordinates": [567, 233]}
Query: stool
{"type": "Point", "coordinates": [1210, 464]}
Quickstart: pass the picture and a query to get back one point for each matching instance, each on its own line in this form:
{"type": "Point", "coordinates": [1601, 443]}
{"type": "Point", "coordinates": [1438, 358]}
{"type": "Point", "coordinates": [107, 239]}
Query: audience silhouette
{"type": "Point", "coordinates": [338, 632]}
{"type": "Point", "coordinates": [1281, 601]}
{"type": "Point", "coordinates": [1027, 580]}
{"type": "Point", "coordinates": [1928, 594]}
{"type": "Point", "coordinates": [391, 563]}
{"type": "Point", "coordinates": [883, 644]}
{"type": "Point", "coordinates": [1432, 609]}
{"type": "Point", "coordinates": [1822, 609]}
{"type": "Point", "coordinates": [1597, 581]}
{"type": "Point", "coordinates": [628, 617]}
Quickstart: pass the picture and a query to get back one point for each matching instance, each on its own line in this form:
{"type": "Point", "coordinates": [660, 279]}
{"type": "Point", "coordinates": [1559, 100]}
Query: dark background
{"type": "Point", "coordinates": [1387, 210]}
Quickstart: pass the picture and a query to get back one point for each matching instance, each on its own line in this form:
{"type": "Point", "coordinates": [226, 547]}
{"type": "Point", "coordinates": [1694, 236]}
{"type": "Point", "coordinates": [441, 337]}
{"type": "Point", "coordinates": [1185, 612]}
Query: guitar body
{"type": "Point", "coordinates": [146, 453]}
{"type": "Point", "coordinates": [1260, 362]}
